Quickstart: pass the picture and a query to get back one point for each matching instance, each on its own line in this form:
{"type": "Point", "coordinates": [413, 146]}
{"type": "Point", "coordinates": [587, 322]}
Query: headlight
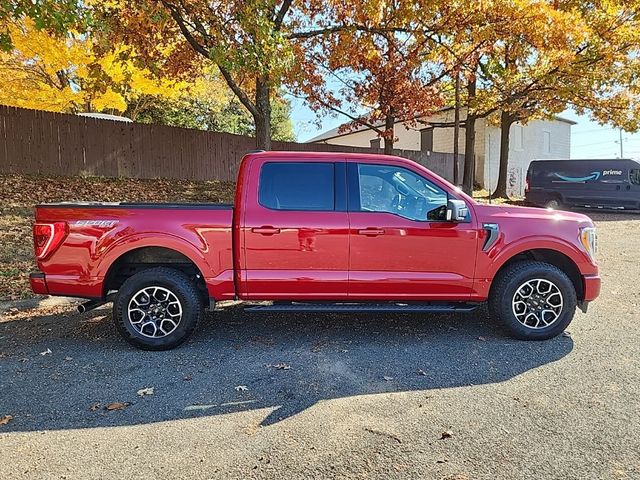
{"type": "Point", "coordinates": [589, 240]}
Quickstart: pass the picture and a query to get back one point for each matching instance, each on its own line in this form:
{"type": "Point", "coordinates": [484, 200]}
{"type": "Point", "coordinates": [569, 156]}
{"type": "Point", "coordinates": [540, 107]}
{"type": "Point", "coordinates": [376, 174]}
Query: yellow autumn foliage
{"type": "Point", "coordinates": [66, 74]}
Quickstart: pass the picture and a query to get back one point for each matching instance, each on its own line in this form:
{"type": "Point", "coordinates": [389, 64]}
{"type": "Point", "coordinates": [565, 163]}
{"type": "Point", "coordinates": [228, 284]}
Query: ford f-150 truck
{"type": "Point", "coordinates": [319, 232]}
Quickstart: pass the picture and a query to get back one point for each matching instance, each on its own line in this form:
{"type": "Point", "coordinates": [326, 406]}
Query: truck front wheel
{"type": "Point", "coordinates": [533, 300]}
{"type": "Point", "coordinates": [157, 309]}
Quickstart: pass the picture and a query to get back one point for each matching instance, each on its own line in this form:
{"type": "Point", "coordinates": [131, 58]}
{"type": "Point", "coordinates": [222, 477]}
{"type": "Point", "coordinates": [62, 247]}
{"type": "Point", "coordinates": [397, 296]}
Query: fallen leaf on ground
{"type": "Point", "coordinates": [187, 378]}
{"type": "Point", "coordinates": [46, 352]}
{"type": "Point", "coordinates": [242, 388]}
{"type": "Point", "coordinates": [95, 406]}
{"type": "Point", "coordinates": [116, 406]}
{"type": "Point", "coordinates": [482, 339]}
{"type": "Point", "coordinates": [145, 391]}
{"type": "Point", "coordinates": [388, 379]}
{"type": "Point", "coordinates": [6, 419]}
{"type": "Point", "coordinates": [421, 372]}
{"type": "Point", "coordinates": [446, 434]}
{"type": "Point", "coordinates": [280, 366]}
{"type": "Point", "coordinates": [68, 359]}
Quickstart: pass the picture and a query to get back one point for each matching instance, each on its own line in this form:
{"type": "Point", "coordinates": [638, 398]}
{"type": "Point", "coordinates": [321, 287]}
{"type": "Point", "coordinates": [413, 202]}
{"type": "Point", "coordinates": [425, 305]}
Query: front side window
{"type": "Point", "coordinates": [305, 186]}
{"type": "Point", "coordinates": [396, 190]}
{"type": "Point", "coordinates": [634, 176]}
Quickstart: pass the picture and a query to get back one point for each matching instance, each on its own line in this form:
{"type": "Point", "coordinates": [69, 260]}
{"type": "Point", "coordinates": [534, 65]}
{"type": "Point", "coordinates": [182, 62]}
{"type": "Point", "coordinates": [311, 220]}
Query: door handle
{"type": "Point", "coordinates": [371, 231]}
{"type": "Point", "coordinates": [266, 230]}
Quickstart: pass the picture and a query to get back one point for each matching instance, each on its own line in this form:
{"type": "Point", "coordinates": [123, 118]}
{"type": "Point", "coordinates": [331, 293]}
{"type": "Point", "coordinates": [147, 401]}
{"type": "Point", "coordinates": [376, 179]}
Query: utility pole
{"type": "Point", "coordinates": [621, 149]}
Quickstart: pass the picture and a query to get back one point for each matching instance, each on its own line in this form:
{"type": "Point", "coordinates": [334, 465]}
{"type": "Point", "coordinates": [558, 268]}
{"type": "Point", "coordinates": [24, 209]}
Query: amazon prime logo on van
{"type": "Point", "coordinates": [591, 176]}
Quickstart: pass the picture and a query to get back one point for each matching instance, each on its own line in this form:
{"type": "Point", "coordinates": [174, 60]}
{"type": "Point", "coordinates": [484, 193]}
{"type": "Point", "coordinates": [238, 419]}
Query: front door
{"type": "Point", "coordinates": [402, 247]}
{"type": "Point", "coordinates": [295, 233]}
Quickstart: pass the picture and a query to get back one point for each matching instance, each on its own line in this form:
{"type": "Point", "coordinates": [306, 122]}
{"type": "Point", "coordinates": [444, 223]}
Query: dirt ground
{"type": "Point", "coordinates": [331, 396]}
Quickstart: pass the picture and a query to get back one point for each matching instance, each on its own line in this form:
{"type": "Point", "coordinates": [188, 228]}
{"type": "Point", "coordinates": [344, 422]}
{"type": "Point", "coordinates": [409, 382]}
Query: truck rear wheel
{"type": "Point", "coordinates": [533, 300]}
{"type": "Point", "coordinates": [157, 309]}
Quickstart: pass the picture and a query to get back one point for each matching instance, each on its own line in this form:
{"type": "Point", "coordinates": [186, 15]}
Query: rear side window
{"type": "Point", "coordinates": [297, 186]}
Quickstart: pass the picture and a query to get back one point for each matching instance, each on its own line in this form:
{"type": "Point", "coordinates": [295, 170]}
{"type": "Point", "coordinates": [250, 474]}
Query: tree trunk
{"type": "Point", "coordinates": [456, 132]}
{"type": "Point", "coordinates": [262, 117]}
{"type": "Point", "coordinates": [506, 120]}
{"type": "Point", "coordinates": [469, 154]}
{"type": "Point", "coordinates": [470, 142]}
{"type": "Point", "coordinates": [389, 123]}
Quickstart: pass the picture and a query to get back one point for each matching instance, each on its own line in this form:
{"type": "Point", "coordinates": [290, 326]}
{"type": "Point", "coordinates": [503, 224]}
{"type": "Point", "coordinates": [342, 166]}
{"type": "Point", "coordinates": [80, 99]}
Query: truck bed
{"type": "Point", "coordinates": [155, 206]}
{"type": "Point", "coordinates": [98, 234]}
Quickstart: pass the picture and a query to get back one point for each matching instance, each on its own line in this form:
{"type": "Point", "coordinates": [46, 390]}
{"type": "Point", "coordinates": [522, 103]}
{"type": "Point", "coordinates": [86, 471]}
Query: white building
{"type": "Point", "coordinates": [538, 139]}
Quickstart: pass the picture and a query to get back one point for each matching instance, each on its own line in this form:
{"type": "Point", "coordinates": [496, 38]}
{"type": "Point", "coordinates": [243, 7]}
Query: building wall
{"type": "Point", "coordinates": [538, 139]}
{"type": "Point", "coordinates": [541, 139]}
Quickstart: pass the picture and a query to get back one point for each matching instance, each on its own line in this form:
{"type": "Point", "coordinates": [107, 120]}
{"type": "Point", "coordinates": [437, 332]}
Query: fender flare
{"type": "Point", "coordinates": [160, 240]}
{"type": "Point", "coordinates": [536, 243]}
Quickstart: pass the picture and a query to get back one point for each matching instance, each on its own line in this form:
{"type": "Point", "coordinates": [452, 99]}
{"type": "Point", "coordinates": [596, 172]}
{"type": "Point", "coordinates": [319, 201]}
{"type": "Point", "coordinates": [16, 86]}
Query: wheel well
{"type": "Point", "coordinates": [552, 257]}
{"type": "Point", "coordinates": [140, 259]}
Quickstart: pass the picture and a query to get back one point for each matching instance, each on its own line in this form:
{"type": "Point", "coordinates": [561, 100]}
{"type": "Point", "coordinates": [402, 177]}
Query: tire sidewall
{"type": "Point", "coordinates": [174, 281]}
{"type": "Point", "coordinates": [545, 272]}
{"type": "Point", "coordinates": [553, 203]}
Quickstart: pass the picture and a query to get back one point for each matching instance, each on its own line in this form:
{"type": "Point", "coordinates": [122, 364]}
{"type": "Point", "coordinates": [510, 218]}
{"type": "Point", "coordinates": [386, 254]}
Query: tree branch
{"type": "Point", "coordinates": [235, 88]}
{"type": "Point", "coordinates": [177, 17]}
{"type": "Point", "coordinates": [284, 8]}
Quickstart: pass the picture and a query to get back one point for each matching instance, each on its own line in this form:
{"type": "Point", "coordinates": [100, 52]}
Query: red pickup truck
{"type": "Point", "coordinates": [319, 232]}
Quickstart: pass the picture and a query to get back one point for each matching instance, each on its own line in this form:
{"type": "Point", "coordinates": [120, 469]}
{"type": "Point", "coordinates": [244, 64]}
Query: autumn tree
{"type": "Point", "coordinates": [211, 106]}
{"type": "Point", "coordinates": [51, 15]}
{"type": "Point", "coordinates": [559, 55]}
{"type": "Point", "coordinates": [382, 63]}
{"type": "Point", "coordinates": [73, 74]}
{"type": "Point", "coordinates": [248, 42]}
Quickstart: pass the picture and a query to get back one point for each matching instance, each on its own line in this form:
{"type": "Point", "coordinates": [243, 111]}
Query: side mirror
{"type": "Point", "coordinates": [457, 211]}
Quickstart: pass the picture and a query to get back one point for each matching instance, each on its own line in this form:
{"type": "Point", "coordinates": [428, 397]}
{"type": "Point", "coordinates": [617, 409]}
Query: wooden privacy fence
{"type": "Point", "coordinates": [45, 143]}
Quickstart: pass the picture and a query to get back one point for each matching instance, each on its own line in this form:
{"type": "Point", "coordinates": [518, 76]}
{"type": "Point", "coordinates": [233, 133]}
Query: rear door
{"type": "Point", "coordinates": [295, 230]}
{"type": "Point", "coordinates": [634, 186]}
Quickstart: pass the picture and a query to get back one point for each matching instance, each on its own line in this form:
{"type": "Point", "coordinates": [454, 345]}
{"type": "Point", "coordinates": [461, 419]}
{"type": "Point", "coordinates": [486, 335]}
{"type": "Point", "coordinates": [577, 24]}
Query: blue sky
{"type": "Point", "coordinates": [588, 139]}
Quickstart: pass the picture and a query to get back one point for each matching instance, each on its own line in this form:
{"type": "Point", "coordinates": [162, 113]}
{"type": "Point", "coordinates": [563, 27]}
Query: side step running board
{"type": "Point", "coordinates": [363, 307]}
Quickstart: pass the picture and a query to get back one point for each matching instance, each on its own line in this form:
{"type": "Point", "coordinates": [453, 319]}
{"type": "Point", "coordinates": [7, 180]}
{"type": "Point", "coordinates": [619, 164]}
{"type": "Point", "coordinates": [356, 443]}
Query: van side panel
{"type": "Point", "coordinates": [584, 183]}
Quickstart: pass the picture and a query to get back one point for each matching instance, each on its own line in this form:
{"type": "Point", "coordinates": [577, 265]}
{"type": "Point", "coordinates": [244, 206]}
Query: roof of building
{"type": "Point", "coordinates": [334, 132]}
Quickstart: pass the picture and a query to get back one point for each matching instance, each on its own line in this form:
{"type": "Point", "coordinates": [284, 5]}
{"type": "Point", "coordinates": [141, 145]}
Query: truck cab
{"type": "Point", "coordinates": [320, 232]}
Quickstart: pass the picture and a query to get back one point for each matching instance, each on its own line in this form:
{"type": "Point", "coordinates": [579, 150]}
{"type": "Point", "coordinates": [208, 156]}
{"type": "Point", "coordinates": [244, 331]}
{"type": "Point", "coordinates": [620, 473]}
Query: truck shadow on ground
{"type": "Point", "coordinates": [287, 362]}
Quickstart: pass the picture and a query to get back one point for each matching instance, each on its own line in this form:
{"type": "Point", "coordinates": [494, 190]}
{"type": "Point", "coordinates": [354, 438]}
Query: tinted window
{"type": "Point", "coordinates": [297, 186]}
{"type": "Point", "coordinates": [634, 176]}
{"type": "Point", "coordinates": [391, 189]}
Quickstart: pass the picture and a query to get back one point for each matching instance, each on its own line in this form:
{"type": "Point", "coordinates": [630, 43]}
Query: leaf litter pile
{"type": "Point", "coordinates": [19, 194]}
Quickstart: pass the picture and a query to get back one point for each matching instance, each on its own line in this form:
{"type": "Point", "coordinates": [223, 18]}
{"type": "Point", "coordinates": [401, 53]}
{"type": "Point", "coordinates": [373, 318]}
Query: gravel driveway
{"type": "Point", "coordinates": [315, 396]}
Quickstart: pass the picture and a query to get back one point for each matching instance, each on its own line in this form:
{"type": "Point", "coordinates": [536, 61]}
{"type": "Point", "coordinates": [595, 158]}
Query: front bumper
{"type": "Point", "coordinates": [591, 284]}
{"type": "Point", "coordinates": [38, 283]}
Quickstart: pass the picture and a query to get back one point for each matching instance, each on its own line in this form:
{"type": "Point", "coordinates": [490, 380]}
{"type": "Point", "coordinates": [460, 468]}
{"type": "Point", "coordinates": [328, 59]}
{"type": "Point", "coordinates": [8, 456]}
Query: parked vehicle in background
{"type": "Point", "coordinates": [584, 183]}
{"type": "Point", "coordinates": [319, 232]}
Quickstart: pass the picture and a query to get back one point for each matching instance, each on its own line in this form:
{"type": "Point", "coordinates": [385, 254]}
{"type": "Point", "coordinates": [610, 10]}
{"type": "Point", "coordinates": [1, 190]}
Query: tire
{"type": "Point", "coordinates": [527, 314]}
{"type": "Point", "coordinates": [169, 317]}
{"type": "Point", "coordinates": [553, 204]}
